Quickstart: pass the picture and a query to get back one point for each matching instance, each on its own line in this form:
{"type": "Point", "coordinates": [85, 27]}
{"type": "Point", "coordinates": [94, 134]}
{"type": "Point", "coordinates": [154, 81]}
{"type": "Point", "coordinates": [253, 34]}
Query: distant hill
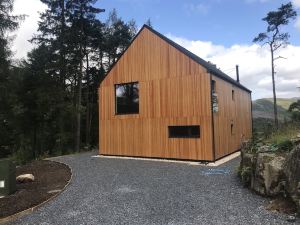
{"type": "Point", "coordinates": [263, 108]}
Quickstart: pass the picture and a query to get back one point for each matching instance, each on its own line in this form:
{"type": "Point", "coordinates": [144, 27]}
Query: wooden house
{"type": "Point", "coordinates": [160, 100]}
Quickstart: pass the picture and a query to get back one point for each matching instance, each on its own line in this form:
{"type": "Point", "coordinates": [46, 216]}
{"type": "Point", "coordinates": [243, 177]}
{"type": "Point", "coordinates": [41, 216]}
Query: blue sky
{"type": "Point", "coordinates": [224, 22]}
{"type": "Point", "coordinates": [220, 31]}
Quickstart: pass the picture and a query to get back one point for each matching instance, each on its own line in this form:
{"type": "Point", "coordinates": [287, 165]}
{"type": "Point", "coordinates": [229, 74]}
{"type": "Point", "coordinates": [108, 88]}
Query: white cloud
{"type": "Point", "coordinates": [296, 3]}
{"type": "Point", "coordinates": [28, 27]}
{"type": "Point", "coordinates": [196, 8]}
{"type": "Point", "coordinates": [259, 1]}
{"type": "Point", "coordinates": [297, 24]}
{"type": "Point", "coordinates": [254, 63]}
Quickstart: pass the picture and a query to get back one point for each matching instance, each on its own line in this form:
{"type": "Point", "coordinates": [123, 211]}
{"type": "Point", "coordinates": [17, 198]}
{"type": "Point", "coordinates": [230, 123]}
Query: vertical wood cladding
{"type": "Point", "coordinates": [173, 90]}
{"type": "Point", "coordinates": [232, 122]}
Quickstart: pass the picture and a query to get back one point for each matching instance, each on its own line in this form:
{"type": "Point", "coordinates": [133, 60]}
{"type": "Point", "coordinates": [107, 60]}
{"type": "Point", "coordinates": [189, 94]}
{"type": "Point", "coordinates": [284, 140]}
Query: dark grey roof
{"type": "Point", "coordinates": [210, 67]}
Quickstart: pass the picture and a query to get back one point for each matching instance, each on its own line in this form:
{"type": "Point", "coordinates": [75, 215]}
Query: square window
{"type": "Point", "coordinates": [127, 98]}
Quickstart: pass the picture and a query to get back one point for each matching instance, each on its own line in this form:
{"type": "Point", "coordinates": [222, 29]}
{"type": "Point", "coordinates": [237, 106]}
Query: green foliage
{"type": "Point", "coordinates": [294, 108]}
{"type": "Point", "coordinates": [39, 96]}
{"type": "Point", "coordinates": [276, 39]}
{"type": "Point", "coordinates": [285, 145]}
{"type": "Point", "coordinates": [285, 133]}
{"type": "Point", "coordinates": [245, 173]}
{"type": "Point", "coordinates": [9, 80]}
{"type": "Point", "coordinates": [276, 19]}
{"type": "Point", "coordinates": [267, 138]}
{"type": "Point", "coordinates": [296, 116]}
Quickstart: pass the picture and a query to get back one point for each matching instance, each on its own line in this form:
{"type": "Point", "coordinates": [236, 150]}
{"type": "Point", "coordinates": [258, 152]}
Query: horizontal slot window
{"type": "Point", "coordinates": [184, 131]}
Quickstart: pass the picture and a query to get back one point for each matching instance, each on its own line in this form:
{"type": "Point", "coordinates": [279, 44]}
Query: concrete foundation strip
{"type": "Point", "coordinates": [192, 163]}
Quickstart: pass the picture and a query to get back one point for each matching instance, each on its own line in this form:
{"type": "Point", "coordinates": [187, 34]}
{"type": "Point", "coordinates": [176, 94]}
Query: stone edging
{"type": "Point", "coordinates": [30, 210]}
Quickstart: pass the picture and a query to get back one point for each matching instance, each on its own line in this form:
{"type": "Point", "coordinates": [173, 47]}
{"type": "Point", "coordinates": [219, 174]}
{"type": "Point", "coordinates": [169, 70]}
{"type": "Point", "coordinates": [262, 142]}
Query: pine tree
{"type": "Point", "coordinates": [8, 23]}
{"type": "Point", "coordinates": [82, 15]}
{"type": "Point", "coordinates": [118, 35]}
{"type": "Point", "coordinates": [276, 40]}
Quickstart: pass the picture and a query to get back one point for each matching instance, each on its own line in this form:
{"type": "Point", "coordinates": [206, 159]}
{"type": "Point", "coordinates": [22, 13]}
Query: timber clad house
{"type": "Point", "coordinates": [160, 100]}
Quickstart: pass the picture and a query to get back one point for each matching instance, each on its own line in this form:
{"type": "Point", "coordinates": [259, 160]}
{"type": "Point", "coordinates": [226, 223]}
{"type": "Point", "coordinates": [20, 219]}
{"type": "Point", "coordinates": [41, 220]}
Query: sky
{"type": "Point", "coordinates": [220, 31]}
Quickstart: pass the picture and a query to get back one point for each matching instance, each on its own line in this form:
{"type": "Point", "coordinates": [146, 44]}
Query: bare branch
{"type": "Point", "coordinates": [276, 46]}
{"type": "Point", "coordinates": [279, 57]}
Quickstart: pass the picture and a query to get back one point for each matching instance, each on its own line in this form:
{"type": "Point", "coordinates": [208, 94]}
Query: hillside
{"type": "Point", "coordinates": [263, 108]}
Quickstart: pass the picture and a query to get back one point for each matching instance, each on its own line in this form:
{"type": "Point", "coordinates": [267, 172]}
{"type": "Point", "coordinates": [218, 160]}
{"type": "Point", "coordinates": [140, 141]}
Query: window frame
{"type": "Point", "coordinates": [186, 136]}
{"type": "Point", "coordinates": [115, 97]}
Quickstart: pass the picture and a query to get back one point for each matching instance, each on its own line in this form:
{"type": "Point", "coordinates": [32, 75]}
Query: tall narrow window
{"type": "Point", "coordinates": [213, 86]}
{"type": "Point", "coordinates": [232, 129]}
{"type": "Point", "coordinates": [214, 96]}
{"type": "Point", "coordinates": [232, 95]}
{"type": "Point", "coordinates": [127, 98]}
{"type": "Point", "coordinates": [184, 131]}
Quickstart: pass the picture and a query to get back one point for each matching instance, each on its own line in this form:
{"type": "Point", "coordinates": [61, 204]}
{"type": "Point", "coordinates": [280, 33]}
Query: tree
{"type": "Point", "coordinates": [41, 108]}
{"type": "Point", "coordinates": [276, 40]}
{"type": "Point", "coordinates": [81, 15]}
{"type": "Point", "coordinates": [294, 108]}
{"type": "Point", "coordinates": [149, 23]}
{"type": "Point", "coordinates": [118, 35]}
{"type": "Point", "coordinates": [8, 101]}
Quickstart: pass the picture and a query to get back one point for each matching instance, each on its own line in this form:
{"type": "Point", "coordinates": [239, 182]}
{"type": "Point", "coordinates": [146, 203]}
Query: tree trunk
{"type": "Point", "coordinates": [274, 90]}
{"type": "Point", "coordinates": [87, 122]}
{"type": "Point", "coordinates": [79, 88]}
{"type": "Point", "coordinates": [62, 47]}
{"type": "Point", "coordinates": [35, 142]}
{"type": "Point", "coordinates": [62, 73]}
{"type": "Point", "coordinates": [78, 106]}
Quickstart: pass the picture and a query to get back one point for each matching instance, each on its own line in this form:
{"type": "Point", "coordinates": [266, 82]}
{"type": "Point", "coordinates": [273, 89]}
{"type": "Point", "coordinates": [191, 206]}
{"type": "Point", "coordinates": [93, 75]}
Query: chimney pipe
{"type": "Point", "coordinates": [237, 73]}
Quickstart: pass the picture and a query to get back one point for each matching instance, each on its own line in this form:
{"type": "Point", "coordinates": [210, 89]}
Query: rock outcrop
{"type": "Point", "coordinates": [271, 173]}
{"type": "Point", "coordinates": [268, 176]}
{"type": "Point", "coordinates": [292, 174]}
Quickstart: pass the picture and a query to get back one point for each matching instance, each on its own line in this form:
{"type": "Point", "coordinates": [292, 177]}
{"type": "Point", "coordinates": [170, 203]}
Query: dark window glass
{"type": "Point", "coordinates": [214, 97]}
{"type": "Point", "coordinates": [127, 98]}
{"type": "Point", "coordinates": [232, 129]}
{"type": "Point", "coordinates": [232, 95]}
{"type": "Point", "coordinates": [213, 86]}
{"type": "Point", "coordinates": [184, 131]}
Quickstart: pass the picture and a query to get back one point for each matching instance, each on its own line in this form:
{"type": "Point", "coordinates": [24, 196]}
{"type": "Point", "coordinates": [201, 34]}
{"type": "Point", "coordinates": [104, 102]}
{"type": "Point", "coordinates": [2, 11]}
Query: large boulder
{"type": "Point", "coordinates": [268, 175]}
{"type": "Point", "coordinates": [25, 178]}
{"type": "Point", "coordinates": [292, 173]}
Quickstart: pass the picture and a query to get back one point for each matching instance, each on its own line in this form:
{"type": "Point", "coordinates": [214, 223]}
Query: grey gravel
{"type": "Point", "coordinates": [119, 191]}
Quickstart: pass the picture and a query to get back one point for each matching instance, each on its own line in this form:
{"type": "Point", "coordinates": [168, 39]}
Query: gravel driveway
{"type": "Point", "coordinates": [126, 191]}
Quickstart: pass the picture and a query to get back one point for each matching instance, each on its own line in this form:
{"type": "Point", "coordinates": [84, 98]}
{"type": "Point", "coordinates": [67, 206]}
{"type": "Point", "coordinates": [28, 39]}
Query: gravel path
{"type": "Point", "coordinates": [119, 191]}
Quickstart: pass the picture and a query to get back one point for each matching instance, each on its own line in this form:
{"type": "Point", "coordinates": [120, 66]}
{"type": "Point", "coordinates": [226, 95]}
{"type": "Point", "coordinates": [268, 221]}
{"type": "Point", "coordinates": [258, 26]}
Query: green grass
{"type": "Point", "coordinates": [285, 133]}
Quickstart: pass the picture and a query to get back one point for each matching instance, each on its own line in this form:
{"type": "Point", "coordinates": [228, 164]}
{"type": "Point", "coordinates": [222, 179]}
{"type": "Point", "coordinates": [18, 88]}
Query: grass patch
{"type": "Point", "coordinates": [267, 139]}
{"type": "Point", "coordinates": [284, 134]}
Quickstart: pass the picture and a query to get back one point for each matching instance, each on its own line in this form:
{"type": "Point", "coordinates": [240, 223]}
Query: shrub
{"type": "Point", "coordinates": [245, 174]}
